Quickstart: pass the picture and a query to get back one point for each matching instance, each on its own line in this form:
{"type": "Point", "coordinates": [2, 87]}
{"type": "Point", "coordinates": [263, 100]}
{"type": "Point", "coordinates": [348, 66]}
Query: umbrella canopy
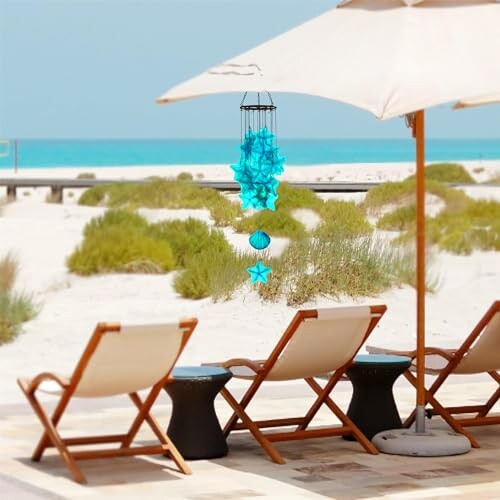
{"type": "Point", "coordinates": [389, 57]}
{"type": "Point", "coordinates": [378, 55]}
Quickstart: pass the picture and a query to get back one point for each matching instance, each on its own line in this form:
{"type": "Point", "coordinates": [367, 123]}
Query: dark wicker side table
{"type": "Point", "coordinates": [194, 427]}
{"type": "Point", "coordinates": [372, 407]}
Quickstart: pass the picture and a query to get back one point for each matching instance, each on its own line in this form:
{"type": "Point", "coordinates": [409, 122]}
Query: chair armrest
{"type": "Point", "coordinates": [42, 377]}
{"type": "Point", "coordinates": [255, 365]}
{"type": "Point", "coordinates": [445, 353]}
{"type": "Point", "coordinates": [383, 350]}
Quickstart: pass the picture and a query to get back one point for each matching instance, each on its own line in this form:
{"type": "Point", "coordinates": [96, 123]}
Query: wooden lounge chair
{"type": "Point", "coordinates": [479, 353]}
{"type": "Point", "coordinates": [316, 342]}
{"type": "Point", "coordinates": [118, 359]}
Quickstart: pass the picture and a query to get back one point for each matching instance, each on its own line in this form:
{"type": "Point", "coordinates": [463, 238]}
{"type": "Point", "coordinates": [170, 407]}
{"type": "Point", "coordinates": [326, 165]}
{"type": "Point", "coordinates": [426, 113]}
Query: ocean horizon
{"type": "Point", "coordinates": [54, 153]}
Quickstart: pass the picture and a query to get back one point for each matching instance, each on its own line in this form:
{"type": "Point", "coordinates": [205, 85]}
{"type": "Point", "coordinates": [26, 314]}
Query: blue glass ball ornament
{"type": "Point", "coordinates": [259, 240]}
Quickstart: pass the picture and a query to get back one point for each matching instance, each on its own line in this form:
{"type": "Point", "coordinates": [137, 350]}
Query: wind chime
{"type": "Point", "coordinates": [259, 163]}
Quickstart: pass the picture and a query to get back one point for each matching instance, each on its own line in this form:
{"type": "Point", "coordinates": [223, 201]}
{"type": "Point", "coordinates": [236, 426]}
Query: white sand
{"type": "Point", "coordinates": [42, 235]}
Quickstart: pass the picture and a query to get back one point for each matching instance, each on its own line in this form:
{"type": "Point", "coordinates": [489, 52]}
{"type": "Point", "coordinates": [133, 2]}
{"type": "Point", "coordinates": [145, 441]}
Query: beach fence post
{"type": "Point", "coordinates": [16, 155]}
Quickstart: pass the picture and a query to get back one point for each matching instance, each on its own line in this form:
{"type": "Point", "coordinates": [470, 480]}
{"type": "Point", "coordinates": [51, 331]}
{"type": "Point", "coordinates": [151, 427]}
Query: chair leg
{"type": "Point", "coordinates": [141, 415]}
{"type": "Point", "coordinates": [445, 414]}
{"type": "Point", "coordinates": [56, 417]}
{"type": "Point", "coordinates": [322, 394]}
{"type": "Point", "coordinates": [271, 451]}
{"type": "Point", "coordinates": [245, 400]}
{"type": "Point", "coordinates": [346, 421]}
{"type": "Point", "coordinates": [164, 439]}
{"type": "Point", "coordinates": [452, 422]}
{"type": "Point", "coordinates": [52, 434]}
{"type": "Point", "coordinates": [490, 403]}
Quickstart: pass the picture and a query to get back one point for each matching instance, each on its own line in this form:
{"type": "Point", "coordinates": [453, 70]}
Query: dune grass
{"type": "Point", "coordinates": [400, 219]}
{"type": "Point", "coordinates": [162, 193]}
{"type": "Point", "coordinates": [214, 274]}
{"type": "Point", "coordinates": [86, 175]}
{"type": "Point", "coordinates": [123, 241]}
{"type": "Point", "coordinates": [279, 223]}
{"type": "Point", "coordinates": [447, 172]}
{"type": "Point", "coordinates": [335, 267]}
{"type": "Point", "coordinates": [185, 176]}
{"type": "Point", "coordinates": [120, 241]}
{"type": "Point", "coordinates": [291, 197]}
{"type": "Point", "coordinates": [404, 192]}
{"type": "Point", "coordinates": [189, 238]}
{"type": "Point", "coordinates": [342, 218]}
{"type": "Point", "coordinates": [477, 227]}
{"type": "Point", "coordinates": [15, 307]}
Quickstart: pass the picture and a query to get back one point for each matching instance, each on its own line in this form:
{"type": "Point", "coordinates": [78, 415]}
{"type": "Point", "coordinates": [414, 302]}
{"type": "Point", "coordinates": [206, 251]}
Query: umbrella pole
{"type": "Point", "coordinates": [421, 442]}
{"type": "Point", "coordinates": [419, 132]}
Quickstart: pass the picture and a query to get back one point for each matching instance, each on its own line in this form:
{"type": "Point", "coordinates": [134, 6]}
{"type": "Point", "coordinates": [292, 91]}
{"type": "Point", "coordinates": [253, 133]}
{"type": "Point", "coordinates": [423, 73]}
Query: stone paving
{"type": "Point", "coordinates": [316, 468]}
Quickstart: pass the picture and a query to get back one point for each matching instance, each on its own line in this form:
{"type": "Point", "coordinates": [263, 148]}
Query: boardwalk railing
{"type": "Point", "coordinates": [57, 185]}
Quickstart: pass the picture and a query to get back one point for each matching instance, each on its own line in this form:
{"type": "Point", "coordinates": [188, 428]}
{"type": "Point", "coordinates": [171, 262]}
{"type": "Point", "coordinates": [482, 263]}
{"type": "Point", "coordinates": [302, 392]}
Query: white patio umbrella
{"type": "Point", "coordinates": [389, 57]}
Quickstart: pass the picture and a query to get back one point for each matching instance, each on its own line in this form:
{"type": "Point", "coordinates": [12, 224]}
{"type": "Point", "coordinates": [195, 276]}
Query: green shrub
{"type": "Point", "coordinates": [86, 175]}
{"type": "Point", "coordinates": [400, 219]}
{"type": "Point", "coordinates": [119, 241]}
{"type": "Point", "coordinates": [94, 196]}
{"type": "Point", "coordinates": [213, 273]}
{"type": "Point", "coordinates": [475, 227]}
{"type": "Point", "coordinates": [390, 193]}
{"type": "Point", "coordinates": [290, 197]}
{"type": "Point", "coordinates": [189, 238]}
{"type": "Point", "coordinates": [335, 267]}
{"type": "Point", "coordinates": [126, 219]}
{"type": "Point", "coordinates": [404, 192]}
{"type": "Point", "coordinates": [447, 172]}
{"type": "Point", "coordinates": [225, 212]}
{"type": "Point", "coordinates": [279, 223]}
{"type": "Point", "coordinates": [342, 218]}
{"type": "Point", "coordinates": [163, 193]}
{"type": "Point", "coordinates": [185, 176]}
{"type": "Point", "coordinates": [15, 308]}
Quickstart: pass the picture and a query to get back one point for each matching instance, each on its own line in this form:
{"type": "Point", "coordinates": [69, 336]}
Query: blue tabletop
{"type": "Point", "coordinates": [189, 372]}
{"type": "Point", "coordinates": [380, 358]}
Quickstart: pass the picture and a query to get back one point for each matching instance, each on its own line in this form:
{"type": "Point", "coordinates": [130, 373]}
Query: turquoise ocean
{"type": "Point", "coordinates": [97, 153]}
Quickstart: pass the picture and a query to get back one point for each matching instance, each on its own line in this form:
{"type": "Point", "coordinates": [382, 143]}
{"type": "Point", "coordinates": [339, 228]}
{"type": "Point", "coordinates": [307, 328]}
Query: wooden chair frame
{"type": "Point", "coordinates": [453, 357]}
{"type": "Point", "coordinates": [262, 369]}
{"type": "Point", "coordinates": [51, 437]}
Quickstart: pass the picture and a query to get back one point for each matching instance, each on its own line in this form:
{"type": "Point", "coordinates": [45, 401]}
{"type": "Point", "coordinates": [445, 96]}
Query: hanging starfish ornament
{"type": "Point", "coordinates": [259, 272]}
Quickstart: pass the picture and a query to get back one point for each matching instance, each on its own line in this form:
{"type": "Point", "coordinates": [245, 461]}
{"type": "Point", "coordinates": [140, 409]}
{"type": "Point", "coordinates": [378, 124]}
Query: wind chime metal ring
{"type": "Point", "coordinates": [256, 116]}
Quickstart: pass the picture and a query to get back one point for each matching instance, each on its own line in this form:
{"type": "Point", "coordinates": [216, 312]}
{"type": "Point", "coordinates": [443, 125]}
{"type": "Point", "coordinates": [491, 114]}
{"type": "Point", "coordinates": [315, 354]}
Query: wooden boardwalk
{"type": "Point", "coordinates": [57, 185]}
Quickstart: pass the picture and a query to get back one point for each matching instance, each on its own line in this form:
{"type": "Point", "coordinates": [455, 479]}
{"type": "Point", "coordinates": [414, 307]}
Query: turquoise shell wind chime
{"type": "Point", "coordinates": [256, 172]}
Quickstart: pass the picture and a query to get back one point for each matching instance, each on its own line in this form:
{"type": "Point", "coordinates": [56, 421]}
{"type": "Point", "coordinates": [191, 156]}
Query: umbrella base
{"type": "Point", "coordinates": [435, 443]}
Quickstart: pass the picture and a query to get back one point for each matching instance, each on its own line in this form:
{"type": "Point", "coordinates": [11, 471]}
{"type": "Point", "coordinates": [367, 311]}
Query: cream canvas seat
{"type": "Point", "coordinates": [316, 342]}
{"type": "Point", "coordinates": [479, 353]}
{"type": "Point", "coordinates": [118, 359]}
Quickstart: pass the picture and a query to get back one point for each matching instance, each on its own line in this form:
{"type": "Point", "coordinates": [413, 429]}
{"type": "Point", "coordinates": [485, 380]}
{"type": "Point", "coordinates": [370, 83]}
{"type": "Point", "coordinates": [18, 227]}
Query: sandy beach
{"type": "Point", "coordinates": [42, 235]}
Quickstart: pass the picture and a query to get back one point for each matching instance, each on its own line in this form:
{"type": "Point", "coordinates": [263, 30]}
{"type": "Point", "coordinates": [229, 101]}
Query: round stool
{"type": "Point", "coordinates": [372, 407]}
{"type": "Point", "coordinates": [194, 427]}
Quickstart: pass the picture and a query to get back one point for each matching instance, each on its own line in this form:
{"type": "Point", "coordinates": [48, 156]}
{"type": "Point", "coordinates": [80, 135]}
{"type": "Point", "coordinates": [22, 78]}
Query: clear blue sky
{"type": "Point", "coordinates": [92, 68]}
